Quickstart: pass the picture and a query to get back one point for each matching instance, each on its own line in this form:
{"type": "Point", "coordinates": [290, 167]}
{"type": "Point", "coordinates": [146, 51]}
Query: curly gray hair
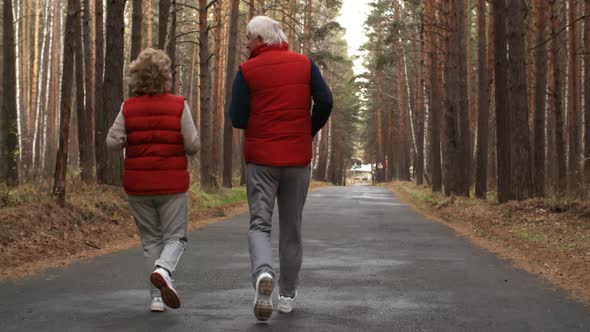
{"type": "Point", "coordinates": [150, 73]}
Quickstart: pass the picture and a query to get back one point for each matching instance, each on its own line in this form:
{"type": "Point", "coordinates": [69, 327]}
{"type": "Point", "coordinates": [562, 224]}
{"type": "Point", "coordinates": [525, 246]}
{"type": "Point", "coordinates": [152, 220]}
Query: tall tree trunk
{"type": "Point", "coordinates": [19, 64]}
{"type": "Point", "coordinates": [573, 118]}
{"type": "Point", "coordinates": [136, 28]}
{"type": "Point", "coordinates": [465, 104]}
{"type": "Point", "coordinates": [192, 79]}
{"type": "Point", "coordinates": [550, 160]}
{"type": "Point", "coordinates": [163, 16]}
{"type": "Point", "coordinates": [292, 22]}
{"type": "Point", "coordinates": [519, 110]}
{"type": "Point", "coordinates": [504, 158]}
{"type": "Point", "coordinates": [540, 101]}
{"type": "Point", "coordinates": [407, 135]}
{"type": "Point", "coordinates": [330, 151]}
{"type": "Point", "coordinates": [34, 83]}
{"type": "Point", "coordinates": [169, 44]}
{"type": "Point", "coordinates": [100, 123]}
{"type": "Point", "coordinates": [49, 150]}
{"type": "Point", "coordinates": [74, 146]}
{"type": "Point", "coordinates": [307, 26]}
{"type": "Point", "coordinates": [483, 103]}
{"type": "Point", "coordinates": [84, 117]}
{"type": "Point", "coordinates": [492, 159]}
{"type": "Point", "coordinates": [2, 113]}
{"type": "Point", "coordinates": [205, 95]}
{"type": "Point", "coordinates": [9, 111]}
{"type": "Point", "coordinates": [262, 7]}
{"type": "Point", "coordinates": [167, 33]}
{"type": "Point", "coordinates": [531, 74]}
{"type": "Point", "coordinates": [23, 57]}
{"type": "Point", "coordinates": [456, 115]}
{"type": "Point", "coordinates": [150, 22]}
{"type": "Point", "coordinates": [113, 85]}
{"type": "Point", "coordinates": [435, 111]}
{"type": "Point", "coordinates": [403, 104]}
{"type": "Point", "coordinates": [587, 95]}
{"type": "Point", "coordinates": [59, 185]}
{"type": "Point", "coordinates": [216, 80]}
{"type": "Point", "coordinates": [560, 140]}
{"type": "Point", "coordinates": [89, 87]}
{"type": "Point", "coordinates": [251, 9]}
{"type": "Point", "coordinates": [230, 73]}
{"type": "Point", "coordinates": [43, 82]}
{"type": "Point", "coordinates": [420, 113]}
{"type": "Point", "coordinates": [470, 117]}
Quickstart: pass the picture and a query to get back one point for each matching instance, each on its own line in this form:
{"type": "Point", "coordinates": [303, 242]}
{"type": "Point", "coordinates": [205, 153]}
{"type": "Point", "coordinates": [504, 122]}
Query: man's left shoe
{"type": "Point", "coordinates": [263, 296]}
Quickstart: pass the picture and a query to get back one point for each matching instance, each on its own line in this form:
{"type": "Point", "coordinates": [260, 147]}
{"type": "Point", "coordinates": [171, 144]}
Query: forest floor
{"type": "Point", "coordinates": [547, 237]}
{"type": "Point", "coordinates": [36, 234]}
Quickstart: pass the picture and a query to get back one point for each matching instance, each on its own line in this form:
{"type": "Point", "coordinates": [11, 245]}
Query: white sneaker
{"type": "Point", "coordinates": [161, 280]}
{"type": "Point", "coordinates": [286, 304]}
{"type": "Point", "coordinates": [157, 305]}
{"type": "Point", "coordinates": [263, 296]}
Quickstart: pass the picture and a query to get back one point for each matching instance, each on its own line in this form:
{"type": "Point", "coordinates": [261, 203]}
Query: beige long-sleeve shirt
{"type": "Point", "coordinates": [117, 136]}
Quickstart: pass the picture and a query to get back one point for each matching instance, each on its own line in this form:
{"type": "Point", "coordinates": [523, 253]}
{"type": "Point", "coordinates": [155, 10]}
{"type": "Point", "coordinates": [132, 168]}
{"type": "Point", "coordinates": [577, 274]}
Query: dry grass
{"type": "Point", "coordinates": [547, 237]}
{"type": "Point", "coordinates": [36, 234]}
{"type": "Point", "coordinates": [315, 185]}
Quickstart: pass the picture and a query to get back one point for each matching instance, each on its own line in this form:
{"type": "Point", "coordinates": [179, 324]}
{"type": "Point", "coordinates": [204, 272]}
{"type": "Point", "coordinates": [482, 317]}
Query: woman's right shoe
{"type": "Point", "coordinates": [160, 278]}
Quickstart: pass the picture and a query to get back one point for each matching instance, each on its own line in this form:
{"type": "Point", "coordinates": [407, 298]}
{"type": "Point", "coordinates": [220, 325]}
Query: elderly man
{"type": "Point", "coordinates": [271, 100]}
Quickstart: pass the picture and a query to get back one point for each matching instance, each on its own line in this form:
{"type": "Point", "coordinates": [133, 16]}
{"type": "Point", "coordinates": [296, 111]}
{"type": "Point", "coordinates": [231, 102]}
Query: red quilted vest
{"type": "Point", "coordinates": [279, 123]}
{"type": "Point", "coordinates": [155, 159]}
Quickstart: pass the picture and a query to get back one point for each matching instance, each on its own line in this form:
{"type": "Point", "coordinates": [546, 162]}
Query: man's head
{"type": "Point", "coordinates": [264, 30]}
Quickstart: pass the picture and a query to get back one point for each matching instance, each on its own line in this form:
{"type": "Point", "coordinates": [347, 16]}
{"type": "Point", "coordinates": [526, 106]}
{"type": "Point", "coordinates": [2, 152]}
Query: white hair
{"type": "Point", "coordinates": [268, 29]}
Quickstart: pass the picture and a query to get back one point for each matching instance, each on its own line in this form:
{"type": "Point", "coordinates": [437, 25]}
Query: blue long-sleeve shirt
{"type": "Point", "coordinates": [239, 109]}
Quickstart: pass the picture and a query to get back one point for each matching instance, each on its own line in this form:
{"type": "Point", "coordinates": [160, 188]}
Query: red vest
{"type": "Point", "coordinates": [155, 160]}
{"type": "Point", "coordinates": [279, 122]}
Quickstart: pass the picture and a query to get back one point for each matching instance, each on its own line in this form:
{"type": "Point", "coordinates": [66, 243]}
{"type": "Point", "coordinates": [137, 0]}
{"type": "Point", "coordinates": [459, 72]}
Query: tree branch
{"type": "Point", "coordinates": [558, 32]}
{"type": "Point", "coordinates": [211, 4]}
{"type": "Point", "coordinates": [186, 33]}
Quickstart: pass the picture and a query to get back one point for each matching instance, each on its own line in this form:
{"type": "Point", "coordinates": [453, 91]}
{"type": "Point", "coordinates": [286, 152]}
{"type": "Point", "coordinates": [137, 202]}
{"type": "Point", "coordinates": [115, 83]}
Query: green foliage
{"type": "Point", "coordinates": [223, 196]}
{"type": "Point", "coordinates": [421, 196]}
{"type": "Point", "coordinates": [546, 241]}
{"type": "Point", "coordinates": [330, 51]}
{"type": "Point", "coordinates": [389, 40]}
{"type": "Point", "coordinates": [27, 193]}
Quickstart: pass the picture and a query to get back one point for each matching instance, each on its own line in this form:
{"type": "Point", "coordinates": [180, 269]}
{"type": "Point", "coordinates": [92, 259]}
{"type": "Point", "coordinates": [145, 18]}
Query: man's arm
{"type": "Point", "coordinates": [322, 100]}
{"type": "Point", "coordinates": [117, 136]}
{"type": "Point", "coordinates": [239, 108]}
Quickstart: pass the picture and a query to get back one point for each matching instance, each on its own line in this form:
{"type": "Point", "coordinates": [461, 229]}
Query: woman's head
{"type": "Point", "coordinates": [151, 73]}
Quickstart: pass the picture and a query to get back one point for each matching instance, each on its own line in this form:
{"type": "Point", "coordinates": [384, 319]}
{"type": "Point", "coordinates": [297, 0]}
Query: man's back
{"type": "Point", "coordinates": [279, 125]}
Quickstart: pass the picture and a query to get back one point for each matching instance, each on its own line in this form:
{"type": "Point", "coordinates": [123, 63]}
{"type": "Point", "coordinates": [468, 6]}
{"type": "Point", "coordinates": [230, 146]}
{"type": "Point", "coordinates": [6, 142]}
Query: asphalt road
{"type": "Point", "coordinates": [370, 264]}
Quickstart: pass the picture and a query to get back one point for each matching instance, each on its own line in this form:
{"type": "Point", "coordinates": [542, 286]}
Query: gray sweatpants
{"type": "Point", "coordinates": [289, 185]}
{"type": "Point", "coordinates": [162, 224]}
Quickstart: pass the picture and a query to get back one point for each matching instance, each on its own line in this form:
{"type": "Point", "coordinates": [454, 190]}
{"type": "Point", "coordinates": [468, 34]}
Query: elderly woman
{"type": "Point", "coordinates": [157, 132]}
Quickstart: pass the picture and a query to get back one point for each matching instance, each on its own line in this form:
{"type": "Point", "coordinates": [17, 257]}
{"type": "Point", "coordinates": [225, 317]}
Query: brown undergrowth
{"type": "Point", "coordinates": [36, 234]}
{"type": "Point", "coordinates": [547, 237]}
